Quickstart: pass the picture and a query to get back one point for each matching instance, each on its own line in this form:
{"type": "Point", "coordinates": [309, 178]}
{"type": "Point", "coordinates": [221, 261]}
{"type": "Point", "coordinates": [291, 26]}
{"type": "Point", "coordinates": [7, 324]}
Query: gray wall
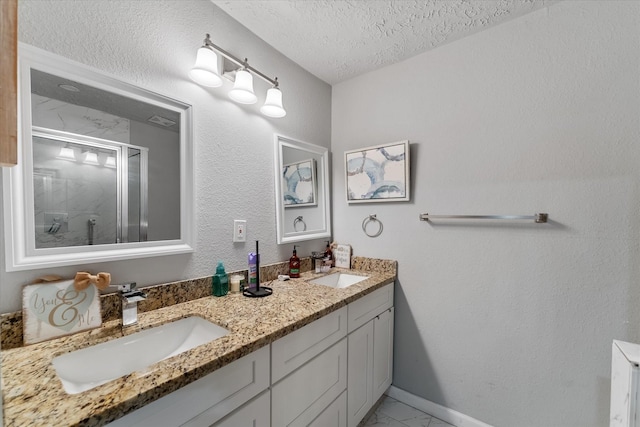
{"type": "Point", "coordinates": [509, 323]}
{"type": "Point", "coordinates": [153, 44]}
{"type": "Point", "coordinates": [164, 179]}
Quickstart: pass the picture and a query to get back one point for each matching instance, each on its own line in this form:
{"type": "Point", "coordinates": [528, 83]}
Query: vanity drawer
{"type": "Point", "coordinates": [294, 350]}
{"type": "Point", "coordinates": [307, 393]}
{"type": "Point", "coordinates": [369, 306]}
{"type": "Point", "coordinates": [208, 399]}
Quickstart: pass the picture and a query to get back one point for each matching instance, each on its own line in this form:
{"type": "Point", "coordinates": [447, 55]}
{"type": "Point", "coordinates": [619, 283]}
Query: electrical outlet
{"type": "Point", "coordinates": [239, 230]}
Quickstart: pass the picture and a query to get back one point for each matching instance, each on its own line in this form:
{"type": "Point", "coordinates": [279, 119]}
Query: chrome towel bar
{"type": "Point", "coordinates": [538, 218]}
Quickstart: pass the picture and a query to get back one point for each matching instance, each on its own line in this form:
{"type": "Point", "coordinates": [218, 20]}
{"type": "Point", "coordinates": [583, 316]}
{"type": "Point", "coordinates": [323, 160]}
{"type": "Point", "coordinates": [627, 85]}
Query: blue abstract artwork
{"type": "Point", "coordinates": [299, 184]}
{"type": "Point", "coordinates": [378, 174]}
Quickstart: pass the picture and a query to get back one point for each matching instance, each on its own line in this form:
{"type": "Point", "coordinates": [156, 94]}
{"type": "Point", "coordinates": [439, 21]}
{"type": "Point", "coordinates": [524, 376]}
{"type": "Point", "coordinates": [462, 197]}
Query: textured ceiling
{"type": "Point", "coordinates": [337, 39]}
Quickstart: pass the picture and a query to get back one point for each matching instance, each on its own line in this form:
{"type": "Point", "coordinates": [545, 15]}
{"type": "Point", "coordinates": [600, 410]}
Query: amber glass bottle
{"type": "Point", "coordinates": [294, 265]}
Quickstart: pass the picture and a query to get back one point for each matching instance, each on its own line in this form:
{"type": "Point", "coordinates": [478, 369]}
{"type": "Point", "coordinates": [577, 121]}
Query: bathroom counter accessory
{"type": "Point", "coordinates": [33, 394]}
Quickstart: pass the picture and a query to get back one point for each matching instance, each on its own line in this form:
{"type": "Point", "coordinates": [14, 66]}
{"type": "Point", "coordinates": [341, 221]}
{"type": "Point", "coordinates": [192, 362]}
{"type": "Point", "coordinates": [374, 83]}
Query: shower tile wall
{"type": "Point", "coordinates": [69, 190]}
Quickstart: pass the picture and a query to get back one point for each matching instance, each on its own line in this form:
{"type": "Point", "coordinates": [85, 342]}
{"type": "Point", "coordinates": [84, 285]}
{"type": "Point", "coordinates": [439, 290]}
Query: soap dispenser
{"type": "Point", "coordinates": [294, 265]}
{"type": "Point", "coordinates": [220, 281]}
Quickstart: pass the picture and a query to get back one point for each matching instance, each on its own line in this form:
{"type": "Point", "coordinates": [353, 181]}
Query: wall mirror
{"type": "Point", "coordinates": [105, 168]}
{"type": "Point", "coordinates": [302, 190]}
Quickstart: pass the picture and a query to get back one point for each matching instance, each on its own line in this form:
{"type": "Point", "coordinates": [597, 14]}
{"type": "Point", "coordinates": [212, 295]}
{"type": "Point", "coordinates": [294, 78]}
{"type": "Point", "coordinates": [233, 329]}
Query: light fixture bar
{"type": "Point", "coordinates": [208, 43]}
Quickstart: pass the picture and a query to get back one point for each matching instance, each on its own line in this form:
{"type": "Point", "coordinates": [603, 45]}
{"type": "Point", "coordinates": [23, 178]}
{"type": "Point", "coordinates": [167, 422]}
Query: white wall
{"type": "Point", "coordinates": [153, 44]}
{"type": "Point", "coordinates": [509, 323]}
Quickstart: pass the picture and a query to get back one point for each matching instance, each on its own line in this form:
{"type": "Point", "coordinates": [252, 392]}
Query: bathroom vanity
{"type": "Point", "coordinates": [307, 355]}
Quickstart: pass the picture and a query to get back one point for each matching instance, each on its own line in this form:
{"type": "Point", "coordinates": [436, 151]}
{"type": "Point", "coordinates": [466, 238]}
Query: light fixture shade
{"type": "Point", "coordinates": [91, 158]}
{"type": "Point", "coordinates": [205, 71]}
{"type": "Point", "coordinates": [273, 104]}
{"type": "Point", "coordinates": [242, 91]}
{"type": "Point", "coordinates": [67, 153]}
{"type": "Point", "coordinates": [110, 162]}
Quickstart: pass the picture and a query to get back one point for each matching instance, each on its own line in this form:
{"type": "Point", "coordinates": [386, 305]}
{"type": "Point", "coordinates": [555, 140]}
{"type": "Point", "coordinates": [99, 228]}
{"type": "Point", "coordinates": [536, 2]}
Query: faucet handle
{"type": "Point", "coordinates": [124, 287]}
{"type": "Point", "coordinates": [134, 296]}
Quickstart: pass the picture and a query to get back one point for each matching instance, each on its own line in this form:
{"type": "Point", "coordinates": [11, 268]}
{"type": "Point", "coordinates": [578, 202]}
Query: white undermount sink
{"type": "Point", "coordinates": [90, 367]}
{"type": "Point", "coordinates": [339, 280]}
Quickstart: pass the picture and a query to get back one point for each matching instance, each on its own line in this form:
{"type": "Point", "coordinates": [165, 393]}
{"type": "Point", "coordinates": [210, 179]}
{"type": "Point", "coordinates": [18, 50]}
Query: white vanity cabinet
{"type": "Point", "coordinates": [328, 373]}
{"type": "Point", "coordinates": [209, 399]}
{"type": "Point", "coordinates": [309, 373]}
{"type": "Point", "coordinates": [370, 346]}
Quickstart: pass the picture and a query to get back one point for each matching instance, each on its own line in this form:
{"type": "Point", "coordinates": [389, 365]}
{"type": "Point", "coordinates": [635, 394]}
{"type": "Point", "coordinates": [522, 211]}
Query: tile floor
{"type": "Point", "coordinates": [392, 413]}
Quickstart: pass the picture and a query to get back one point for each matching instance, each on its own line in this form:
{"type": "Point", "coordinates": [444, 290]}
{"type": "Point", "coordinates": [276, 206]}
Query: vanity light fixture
{"type": "Point", "coordinates": [242, 91]}
{"type": "Point", "coordinates": [206, 73]}
{"type": "Point", "coordinates": [67, 153]}
{"type": "Point", "coordinates": [273, 104]}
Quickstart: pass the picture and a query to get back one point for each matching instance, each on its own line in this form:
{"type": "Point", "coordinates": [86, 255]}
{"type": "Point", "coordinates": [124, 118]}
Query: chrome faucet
{"type": "Point", "coordinates": [130, 297]}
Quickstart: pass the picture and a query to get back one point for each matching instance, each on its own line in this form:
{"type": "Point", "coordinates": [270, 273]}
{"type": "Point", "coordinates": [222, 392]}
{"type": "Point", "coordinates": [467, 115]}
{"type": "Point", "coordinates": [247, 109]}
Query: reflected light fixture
{"type": "Point", "coordinates": [67, 153]}
{"type": "Point", "coordinates": [91, 158]}
{"type": "Point", "coordinates": [206, 73]}
{"type": "Point", "coordinates": [110, 162]}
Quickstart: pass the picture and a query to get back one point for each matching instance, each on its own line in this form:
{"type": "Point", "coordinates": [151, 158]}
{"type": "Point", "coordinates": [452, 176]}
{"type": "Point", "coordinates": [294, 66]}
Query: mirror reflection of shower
{"type": "Point", "coordinates": [88, 191]}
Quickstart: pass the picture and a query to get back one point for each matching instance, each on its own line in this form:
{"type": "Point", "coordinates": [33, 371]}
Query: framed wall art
{"type": "Point", "coordinates": [299, 184]}
{"type": "Point", "coordinates": [378, 174]}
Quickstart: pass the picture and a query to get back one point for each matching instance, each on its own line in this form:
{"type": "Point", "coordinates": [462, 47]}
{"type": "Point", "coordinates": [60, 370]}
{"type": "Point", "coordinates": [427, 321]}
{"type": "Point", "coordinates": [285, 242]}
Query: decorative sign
{"type": "Point", "coordinates": [55, 309]}
{"type": "Point", "coordinates": [342, 255]}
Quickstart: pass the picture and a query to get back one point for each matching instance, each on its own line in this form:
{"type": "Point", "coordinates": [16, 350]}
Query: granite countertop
{"type": "Point", "coordinates": [33, 394]}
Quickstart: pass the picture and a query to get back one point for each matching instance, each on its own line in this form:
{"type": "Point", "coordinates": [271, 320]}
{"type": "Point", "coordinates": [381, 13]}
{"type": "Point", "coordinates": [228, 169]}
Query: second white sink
{"type": "Point", "coordinates": [90, 367]}
{"type": "Point", "coordinates": [339, 280]}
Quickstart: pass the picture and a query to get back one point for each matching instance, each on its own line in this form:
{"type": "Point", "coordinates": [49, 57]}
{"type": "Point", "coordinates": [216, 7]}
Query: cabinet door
{"type": "Point", "coordinates": [256, 413]}
{"type": "Point", "coordinates": [359, 368]}
{"type": "Point", "coordinates": [382, 353]}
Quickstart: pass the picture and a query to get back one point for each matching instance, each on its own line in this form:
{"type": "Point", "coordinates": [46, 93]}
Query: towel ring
{"type": "Point", "coordinates": [367, 220]}
{"type": "Point", "coordinates": [297, 221]}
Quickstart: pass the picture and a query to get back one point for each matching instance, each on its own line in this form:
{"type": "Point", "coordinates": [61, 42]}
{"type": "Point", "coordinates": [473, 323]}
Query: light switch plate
{"type": "Point", "coordinates": [239, 230]}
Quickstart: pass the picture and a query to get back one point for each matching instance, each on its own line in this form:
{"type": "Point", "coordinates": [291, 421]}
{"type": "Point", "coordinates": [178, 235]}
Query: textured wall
{"type": "Point", "coordinates": [510, 323]}
{"type": "Point", "coordinates": [153, 44]}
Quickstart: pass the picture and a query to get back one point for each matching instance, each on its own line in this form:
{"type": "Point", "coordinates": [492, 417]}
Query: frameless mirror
{"type": "Point", "coordinates": [105, 168]}
{"type": "Point", "coordinates": [302, 190]}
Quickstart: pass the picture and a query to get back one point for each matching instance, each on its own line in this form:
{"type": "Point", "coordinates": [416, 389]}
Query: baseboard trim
{"type": "Point", "coordinates": [438, 411]}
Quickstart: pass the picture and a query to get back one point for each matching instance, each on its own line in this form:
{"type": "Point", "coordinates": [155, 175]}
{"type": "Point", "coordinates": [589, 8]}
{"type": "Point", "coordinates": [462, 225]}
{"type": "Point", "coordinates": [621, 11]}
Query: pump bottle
{"type": "Point", "coordinates": [328, 255]}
